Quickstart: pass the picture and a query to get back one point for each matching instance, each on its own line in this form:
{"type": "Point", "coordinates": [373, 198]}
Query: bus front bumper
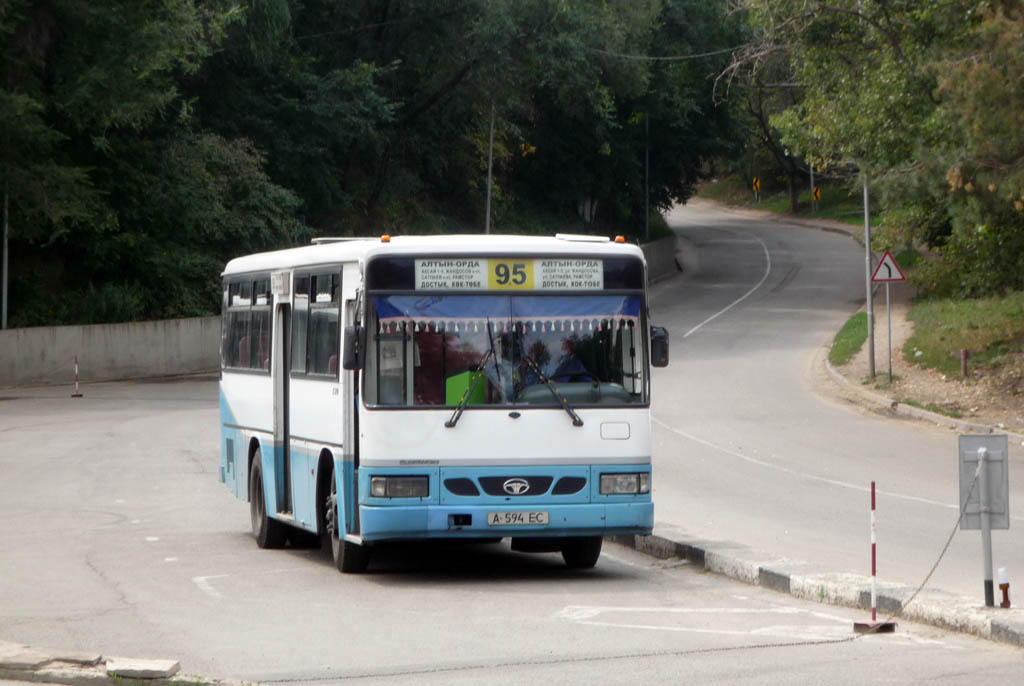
{"type": "Point", "coordinates": [454, 521]}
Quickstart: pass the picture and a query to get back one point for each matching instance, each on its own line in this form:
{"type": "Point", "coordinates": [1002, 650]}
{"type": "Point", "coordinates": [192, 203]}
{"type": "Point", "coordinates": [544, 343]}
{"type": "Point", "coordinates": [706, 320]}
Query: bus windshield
{"type": "Point", "coordinates": [433, 350]}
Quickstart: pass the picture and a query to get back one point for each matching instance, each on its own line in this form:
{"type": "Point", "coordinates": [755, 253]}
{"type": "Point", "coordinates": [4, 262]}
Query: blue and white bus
{"type": "Point", "coordinates": [445, 387]}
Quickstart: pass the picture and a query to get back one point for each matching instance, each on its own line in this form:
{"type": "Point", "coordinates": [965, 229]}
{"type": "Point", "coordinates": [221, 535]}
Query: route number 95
{"type": "Point", "coordinates": [510, 274]}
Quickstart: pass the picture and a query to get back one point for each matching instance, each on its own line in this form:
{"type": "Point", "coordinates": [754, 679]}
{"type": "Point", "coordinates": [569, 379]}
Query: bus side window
{"type": "Point", "coordinates": [324, 320]}
{"type": "Point", "coordinates": [300, 323]}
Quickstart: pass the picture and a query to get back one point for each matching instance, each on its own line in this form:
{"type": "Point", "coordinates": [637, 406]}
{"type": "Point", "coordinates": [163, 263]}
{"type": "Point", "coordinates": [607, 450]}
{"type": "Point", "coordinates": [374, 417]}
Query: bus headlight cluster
{"type": "Point", "coordinates": [399, 486]}
{"type": "Point", "coordinates": [625, 484]}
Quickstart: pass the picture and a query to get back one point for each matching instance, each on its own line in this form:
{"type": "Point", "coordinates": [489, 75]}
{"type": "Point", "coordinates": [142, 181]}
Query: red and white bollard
{"type": "Point", "coordinates": [874, 627]}
{"type": "Point", "coordinates": [76, 394]}
{"type": "Point", "coordinates": [1004, 586]}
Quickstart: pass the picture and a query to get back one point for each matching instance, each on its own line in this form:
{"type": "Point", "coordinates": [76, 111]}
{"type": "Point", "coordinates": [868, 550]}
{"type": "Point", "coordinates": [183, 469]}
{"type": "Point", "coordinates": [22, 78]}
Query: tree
{"type": "Point", "coordinates": [905, 90]}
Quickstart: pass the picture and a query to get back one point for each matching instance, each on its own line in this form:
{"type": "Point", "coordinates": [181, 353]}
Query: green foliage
{"type": "Point", "coordinates": [145, 142]}
{"type": "Point", "coordinates": [849, 339]}
{"type": "Point", "coordinates": [925, 98]}
{"type": "Point", "coordinates": [992, 329]}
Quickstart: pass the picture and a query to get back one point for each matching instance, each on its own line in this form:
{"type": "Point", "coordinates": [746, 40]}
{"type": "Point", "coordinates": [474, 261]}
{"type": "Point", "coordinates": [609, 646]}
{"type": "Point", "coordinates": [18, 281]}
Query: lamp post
{"type": "Point", "coordinates": [490, 163]}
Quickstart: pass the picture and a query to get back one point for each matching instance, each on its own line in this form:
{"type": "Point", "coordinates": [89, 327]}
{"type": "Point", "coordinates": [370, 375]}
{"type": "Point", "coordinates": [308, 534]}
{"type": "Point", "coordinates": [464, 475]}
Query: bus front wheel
{"type": "Point", "coordinates": [582, 552]}
{"type": "Point", "coordinates": [269, 533]}
{"type": "Point", "coordinates": [349, 558]}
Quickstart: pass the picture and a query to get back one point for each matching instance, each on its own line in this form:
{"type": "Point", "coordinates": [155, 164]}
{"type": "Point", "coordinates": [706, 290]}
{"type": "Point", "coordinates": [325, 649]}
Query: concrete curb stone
{"type": "Point", "coordinates": [21, 663]}
{"type": "Point", "coordinates": [803, 580]}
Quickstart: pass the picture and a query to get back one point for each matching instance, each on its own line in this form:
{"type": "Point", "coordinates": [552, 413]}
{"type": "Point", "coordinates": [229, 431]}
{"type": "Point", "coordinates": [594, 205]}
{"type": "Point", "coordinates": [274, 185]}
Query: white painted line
{"type": "Point", "coordinates": [204, 585]}
{"type": "Point", "coordinates": [620, 560]}
{"type": "Point", "coordinates": [837, 627]}
{"type": "Point", "coordinates": [806, 475]}
{"type": "Point", "coordinates": [152, 539]}
{"type": "Point", "coordinates": [767, 271]}
{"type": "Point", "coordinates": [170, 559]}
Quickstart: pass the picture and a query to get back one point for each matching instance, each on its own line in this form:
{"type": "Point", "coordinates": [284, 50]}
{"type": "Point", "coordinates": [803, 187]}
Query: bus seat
{"type": "Point", "coordinates": [332, 364]}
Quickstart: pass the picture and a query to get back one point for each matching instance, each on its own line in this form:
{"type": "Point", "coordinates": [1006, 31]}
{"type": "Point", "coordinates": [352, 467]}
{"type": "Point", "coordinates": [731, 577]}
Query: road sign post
{"type": "Point", "coordinates": [869, 303]}
{"type": "Point", "coordinates": [757, 189]}
{"type": "Point", "coordinates": [886, 272]}
{"type": "Point", "coordinates": [985, 505]}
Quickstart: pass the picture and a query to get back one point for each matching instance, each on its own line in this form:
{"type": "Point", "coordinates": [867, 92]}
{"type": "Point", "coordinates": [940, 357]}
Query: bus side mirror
{"type": "Point", "coordinates": [353, 355]}
{"type": "Point", "coordinates": [659, 346]}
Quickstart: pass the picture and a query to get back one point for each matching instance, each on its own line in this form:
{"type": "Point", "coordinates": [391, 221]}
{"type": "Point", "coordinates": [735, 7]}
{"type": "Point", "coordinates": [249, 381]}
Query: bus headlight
{"type": "Point", "coordinates": [399, 486]}
{"type": "Point", "coordinates": [625, 484]}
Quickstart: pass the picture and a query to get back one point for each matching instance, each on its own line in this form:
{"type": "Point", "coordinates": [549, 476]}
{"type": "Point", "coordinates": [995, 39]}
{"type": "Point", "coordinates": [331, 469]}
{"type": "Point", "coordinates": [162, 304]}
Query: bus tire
{"type": "Point", "coordinates": [582, 552]}
{"type": "Point", "coordinates": [349, 558]}
{"type": "Point", "coordinates": [269, 532]}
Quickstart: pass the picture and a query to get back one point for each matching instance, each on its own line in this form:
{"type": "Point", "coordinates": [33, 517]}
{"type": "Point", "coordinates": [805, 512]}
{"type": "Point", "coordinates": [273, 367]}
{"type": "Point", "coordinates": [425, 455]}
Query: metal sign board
{"type": "Point", "coordinates": [887, 270]}
{"type": "Point", "coordinates": [997, 479]}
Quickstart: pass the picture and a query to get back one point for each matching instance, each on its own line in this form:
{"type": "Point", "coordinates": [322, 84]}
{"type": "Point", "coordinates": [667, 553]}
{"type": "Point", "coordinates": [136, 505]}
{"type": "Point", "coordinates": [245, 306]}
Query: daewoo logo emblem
{"type": "Point", "coordinates": [516, 486]}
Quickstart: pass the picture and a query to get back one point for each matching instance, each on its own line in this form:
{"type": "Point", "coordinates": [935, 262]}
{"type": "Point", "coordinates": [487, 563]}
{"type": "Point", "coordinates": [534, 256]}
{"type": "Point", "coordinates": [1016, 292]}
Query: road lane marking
{"type": "Point", "coordinates": [203, 582]}
{"type": "Point", "coordinates": [836, 629]}
{"type": "Point", "coordinates": [806, 475]}
{"type": "Point", "coordinates": [734, 303]}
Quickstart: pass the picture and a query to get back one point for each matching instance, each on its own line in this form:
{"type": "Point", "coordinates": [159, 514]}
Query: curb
{"type": "Point", "coordinates": [25, 664]}
{"type": "Point", "coordinates": [916, 412]}
{"type": "Point", "coordinates": [802, 580]}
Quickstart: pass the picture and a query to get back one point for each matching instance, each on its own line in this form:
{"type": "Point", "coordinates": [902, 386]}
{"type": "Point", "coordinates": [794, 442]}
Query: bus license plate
{"type": "Point", "coordinates": [518, 518]}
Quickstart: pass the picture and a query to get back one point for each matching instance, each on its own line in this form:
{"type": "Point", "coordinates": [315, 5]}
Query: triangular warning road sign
{"type": "Point", "coordinates": [887, 270]}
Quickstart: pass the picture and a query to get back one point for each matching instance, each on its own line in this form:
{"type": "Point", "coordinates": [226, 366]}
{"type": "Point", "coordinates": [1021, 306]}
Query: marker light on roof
{"type": "Point", "coordinates": [385, 238]}
{"type": "Point", "coordinates": [620, 239]}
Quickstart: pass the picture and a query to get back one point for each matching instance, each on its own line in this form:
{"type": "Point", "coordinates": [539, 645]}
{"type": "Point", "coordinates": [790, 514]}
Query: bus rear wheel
{"type": "Point", "coordinates": [269, 533]}
{"type": "Point", "coordinates": [349, 558]}
{"type": "Point", "coordinates": [582, 552]}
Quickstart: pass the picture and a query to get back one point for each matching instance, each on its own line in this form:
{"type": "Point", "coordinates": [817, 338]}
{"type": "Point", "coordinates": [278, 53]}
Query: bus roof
{"type": "Point", "coordinates": [329, 251]}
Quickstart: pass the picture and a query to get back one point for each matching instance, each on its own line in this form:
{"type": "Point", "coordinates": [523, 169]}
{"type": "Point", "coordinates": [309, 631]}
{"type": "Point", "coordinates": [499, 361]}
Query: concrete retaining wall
{"type": "Point", "coordinates": [46, 355]}
{"type": "Point", "coordinates": [661, 258]}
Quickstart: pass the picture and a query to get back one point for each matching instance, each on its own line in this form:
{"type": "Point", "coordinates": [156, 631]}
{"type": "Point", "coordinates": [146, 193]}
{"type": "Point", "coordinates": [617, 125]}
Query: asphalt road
{"type": "Point", "coordinates": [752, 449]}
{"type": "Point", "coordinates": [117, 536]}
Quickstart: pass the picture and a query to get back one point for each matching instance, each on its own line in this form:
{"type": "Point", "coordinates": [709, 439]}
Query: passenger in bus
{"type": "Point", "coordinates": [570, 367]}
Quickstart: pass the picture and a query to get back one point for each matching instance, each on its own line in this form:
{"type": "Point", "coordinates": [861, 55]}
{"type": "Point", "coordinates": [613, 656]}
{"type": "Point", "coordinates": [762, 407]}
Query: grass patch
{"type": "Point", "coordinates": [932, 407]}
{"type": "Point", "coordinates": [849, 339]}
{"type": "Point", "coordinates": [990, 328]}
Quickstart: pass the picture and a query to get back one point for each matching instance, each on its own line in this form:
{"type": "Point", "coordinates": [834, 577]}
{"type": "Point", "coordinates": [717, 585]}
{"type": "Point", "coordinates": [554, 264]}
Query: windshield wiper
{"type": "Point", "coordinates": [576, 421]}
{"type": "Point", "coordinates": [464, 400]}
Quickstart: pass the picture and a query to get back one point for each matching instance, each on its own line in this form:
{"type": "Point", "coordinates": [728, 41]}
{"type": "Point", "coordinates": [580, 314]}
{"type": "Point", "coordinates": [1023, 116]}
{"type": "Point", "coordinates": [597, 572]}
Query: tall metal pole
{"type": "Point", "coordinates": [986, 527]}
{"type": "Point", "coordinates": [647, 178]}
{"type": "Point", "coordinates": [814, 203]}
{"type": "Point", "coordinates": [888, 314]}
{"type": "Point", "coordinates": [3, 308]}
{"type": "Point", "coordinates": [870, 305]}
{"type": "Point", "coordinates": [490, 164]}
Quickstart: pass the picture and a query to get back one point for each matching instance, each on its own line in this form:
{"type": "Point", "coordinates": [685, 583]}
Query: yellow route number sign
{"type": "Point", "coordinates": [510, 274]}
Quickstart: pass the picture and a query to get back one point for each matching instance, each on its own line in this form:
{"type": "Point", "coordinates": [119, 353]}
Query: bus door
{"type": "Point", "coordinates": [281, 357]}
{"type": "Point", "coordinates": [349, 463]}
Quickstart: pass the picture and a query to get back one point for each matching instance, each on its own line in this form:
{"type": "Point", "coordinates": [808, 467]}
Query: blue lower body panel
{"type": "Point", "coordinates": [459, 500]}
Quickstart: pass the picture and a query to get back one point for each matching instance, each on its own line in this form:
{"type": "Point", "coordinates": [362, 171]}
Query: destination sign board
{"type": "Point", "coordinates": [509, 274]}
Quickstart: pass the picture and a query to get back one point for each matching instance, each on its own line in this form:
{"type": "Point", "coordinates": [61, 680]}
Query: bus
{"type": "Point", "coordinates": [476, 387]}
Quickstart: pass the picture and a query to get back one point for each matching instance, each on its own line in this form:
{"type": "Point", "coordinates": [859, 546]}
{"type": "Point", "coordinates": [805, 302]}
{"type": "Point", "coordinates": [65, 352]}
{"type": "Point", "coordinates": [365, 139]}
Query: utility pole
{"type": "Point", "coordinates": [870, 305]}
{"type": "Point", "coordinates": [647, 178]}
{"type": "Point", "coordinates": [3, 308]}
{"type": "Point", "coordinates": [490, 164]}
{"type": "Point", "coordinates": [814, 203]}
